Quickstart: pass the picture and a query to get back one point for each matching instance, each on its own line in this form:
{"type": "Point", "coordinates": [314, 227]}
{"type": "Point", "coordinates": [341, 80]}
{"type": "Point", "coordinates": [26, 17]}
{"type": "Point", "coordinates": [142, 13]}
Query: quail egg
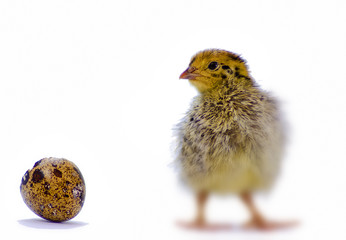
{"type": "Point", "coordinates": [54, 189]}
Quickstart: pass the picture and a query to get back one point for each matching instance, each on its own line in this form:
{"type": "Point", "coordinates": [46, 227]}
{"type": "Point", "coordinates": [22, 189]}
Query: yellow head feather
{"type": "Point", "coordinates": [212, 66]}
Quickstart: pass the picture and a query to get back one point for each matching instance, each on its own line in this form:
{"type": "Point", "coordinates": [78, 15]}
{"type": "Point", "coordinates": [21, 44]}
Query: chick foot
{"type": "Point", "coordinates": [204, 226]}
{"type": "Point", "coordinates": [200, 223]}
{"type": "Point", "coordinates": [266, 225]}
{"type": "Point", "coordinates": [258, 221]}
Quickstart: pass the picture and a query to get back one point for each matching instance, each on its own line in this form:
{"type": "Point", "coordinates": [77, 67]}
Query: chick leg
{"type": "Point", "coordinates": [201, 199]}
{"type": "Point", "coordinates": [257, 220]}
{"type": "Point", "coordinates": [200, 220]}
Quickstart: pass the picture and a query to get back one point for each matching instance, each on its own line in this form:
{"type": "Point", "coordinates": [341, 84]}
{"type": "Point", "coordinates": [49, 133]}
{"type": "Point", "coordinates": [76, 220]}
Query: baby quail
{"type": "Point", "coordinates": [231, 139]}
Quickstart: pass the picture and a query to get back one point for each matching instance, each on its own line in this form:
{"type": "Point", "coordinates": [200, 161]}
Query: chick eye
{"type": "Point", "coordinates": [213, 65]}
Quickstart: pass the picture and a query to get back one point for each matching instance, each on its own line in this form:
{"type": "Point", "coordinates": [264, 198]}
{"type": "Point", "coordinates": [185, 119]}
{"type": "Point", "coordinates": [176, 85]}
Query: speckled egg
{"type": "Point", "coordinates": [54, 189]}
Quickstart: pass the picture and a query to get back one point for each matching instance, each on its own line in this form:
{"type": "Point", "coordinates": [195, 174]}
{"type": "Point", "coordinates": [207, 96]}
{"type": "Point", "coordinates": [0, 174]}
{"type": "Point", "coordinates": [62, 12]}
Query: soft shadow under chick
{"type": "Point", "coordinates": [231, 139]}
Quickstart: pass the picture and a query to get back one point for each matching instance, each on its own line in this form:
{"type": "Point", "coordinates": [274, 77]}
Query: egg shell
{"type": "Point", "coordinates": [54, 189]}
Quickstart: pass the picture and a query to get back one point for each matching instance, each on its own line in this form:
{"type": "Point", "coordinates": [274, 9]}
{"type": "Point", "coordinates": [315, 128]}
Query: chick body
{"type": "Point", "coordinates": [231, 137]}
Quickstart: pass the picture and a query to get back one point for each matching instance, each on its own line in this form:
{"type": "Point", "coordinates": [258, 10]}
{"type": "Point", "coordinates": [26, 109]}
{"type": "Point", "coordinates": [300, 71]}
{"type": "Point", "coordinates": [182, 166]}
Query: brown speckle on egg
{"type": "Point", "coordinates": [54, 189]}
{"type": "Point", "coordinates": [37, 176]}
{"type": "Point", "coordinates": [57, 173]}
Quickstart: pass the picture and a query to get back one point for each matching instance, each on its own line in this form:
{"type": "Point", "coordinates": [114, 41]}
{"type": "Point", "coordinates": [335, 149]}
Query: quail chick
{"type": "Point", "coordinates": [231, 139]}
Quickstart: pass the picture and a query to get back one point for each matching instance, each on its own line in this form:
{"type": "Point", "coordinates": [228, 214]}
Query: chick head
{"type": "Point", "coordinates": [212, 66]}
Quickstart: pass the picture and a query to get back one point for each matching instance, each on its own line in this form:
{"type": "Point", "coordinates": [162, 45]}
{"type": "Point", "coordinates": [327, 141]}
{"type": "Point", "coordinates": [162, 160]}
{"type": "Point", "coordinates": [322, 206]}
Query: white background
{"type": "Point", "coordinates": [96, 82]}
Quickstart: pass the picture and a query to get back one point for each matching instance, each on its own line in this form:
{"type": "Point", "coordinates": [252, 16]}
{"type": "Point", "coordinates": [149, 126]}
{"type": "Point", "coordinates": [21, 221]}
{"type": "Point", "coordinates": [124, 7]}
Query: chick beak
{"type": "Point", "coordinates": [189, 74]}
